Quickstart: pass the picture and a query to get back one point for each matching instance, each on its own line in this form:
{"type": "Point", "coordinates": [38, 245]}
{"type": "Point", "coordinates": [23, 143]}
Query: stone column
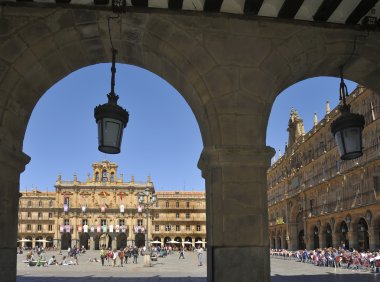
{"type": "Point", "coordinates": [12, 163]}
{"type": "Point", "coordinates": [293, 237]}
{"type": "Point", "coordinates": [92, 243]}
{"type": "Point", "coordinates": [237, 212]}
{"type": "Point", "coordinates": [373, 233]}
{"type": "Point", "coordinates": [352, 238]}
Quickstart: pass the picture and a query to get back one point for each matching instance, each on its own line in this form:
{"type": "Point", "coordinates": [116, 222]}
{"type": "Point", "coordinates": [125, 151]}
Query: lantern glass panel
{"type": "Point", "coordinates": [339, 142]}
{"type": "Point", "coordinates": [110, 134]}
{"type": "Point", "coordinates": [352, 139]}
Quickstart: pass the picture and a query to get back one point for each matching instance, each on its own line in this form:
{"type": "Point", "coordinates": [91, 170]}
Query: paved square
{"type": "Point", "coordinates": [173, 269]}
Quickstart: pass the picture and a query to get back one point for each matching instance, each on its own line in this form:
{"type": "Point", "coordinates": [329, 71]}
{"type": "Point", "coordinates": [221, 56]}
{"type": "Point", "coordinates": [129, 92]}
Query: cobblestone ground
{"type": "Point", "coordinates": [172, 269]}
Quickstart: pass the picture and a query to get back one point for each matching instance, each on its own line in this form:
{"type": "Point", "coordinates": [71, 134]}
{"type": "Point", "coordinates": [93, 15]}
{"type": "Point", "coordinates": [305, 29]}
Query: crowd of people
{"type": "Point", "coordinates": [37, 256]}
{"type": "Point", "coordinates": [334, 257]}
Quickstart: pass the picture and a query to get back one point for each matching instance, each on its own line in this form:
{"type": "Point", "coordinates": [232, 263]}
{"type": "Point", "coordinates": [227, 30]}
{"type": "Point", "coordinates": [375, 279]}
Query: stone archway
{"type": "Point", "coordinates": [139, 240]}
{"type": "Point", "coordinates": [121, 241]}
{"type": "Point", "coordinates": [227, 69]}
{"type": "Point", "coordinates": [84, 240]}
{"type": "Point", "coordinates": [65, 241]}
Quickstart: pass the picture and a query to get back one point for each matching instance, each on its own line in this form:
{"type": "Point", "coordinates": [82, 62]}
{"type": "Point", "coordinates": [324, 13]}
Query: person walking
{"type": "Point", "coordinates": [135, 255]}
{"type": "Point", "coordinates": [200, 255]}
{"type": "Point", "coordinates": [102, 256]}
{"type": "Point", "coordinates": [181, 254]}
{"type": "Point", "coordinates": [121, 256]}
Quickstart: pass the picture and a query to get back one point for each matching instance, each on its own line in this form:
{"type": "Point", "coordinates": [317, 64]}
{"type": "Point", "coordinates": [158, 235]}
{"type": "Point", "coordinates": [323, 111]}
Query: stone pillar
{"type": "Point", "coordinates": [373, 233]}
{"type": "Point", "coordinates": [237, 212]}
{"type": "Point", "coordinates": [92, 243]}
{"type": "Point", "coordinates": [12, 163]}
{"type": "Point", "coordinates": [293, 237]}
{"type": "Point", "coordinates": [352, 238]}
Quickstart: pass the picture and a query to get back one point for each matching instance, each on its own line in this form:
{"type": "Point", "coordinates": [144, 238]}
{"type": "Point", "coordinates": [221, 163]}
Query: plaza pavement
{"type": "Point", "coordinates": [172, 269]}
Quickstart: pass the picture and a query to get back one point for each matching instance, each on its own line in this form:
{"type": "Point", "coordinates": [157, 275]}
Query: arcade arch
{"type": "Point", "coordinates": [230, 93]}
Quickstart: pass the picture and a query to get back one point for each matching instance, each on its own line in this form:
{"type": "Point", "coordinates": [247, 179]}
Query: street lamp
{"type": "Point", "coordinates": [143, 199]}
{"type": "Point", "coordinates": [110, 117]}
{"type": "Point", "coordinates": [347, 129]}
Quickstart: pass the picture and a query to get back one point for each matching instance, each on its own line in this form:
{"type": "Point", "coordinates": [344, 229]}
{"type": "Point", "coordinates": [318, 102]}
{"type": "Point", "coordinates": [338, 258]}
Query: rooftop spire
{"type": "Point", "coordinates": [315, 119]}
{"type": "Point", "coordinates": [327, 107]}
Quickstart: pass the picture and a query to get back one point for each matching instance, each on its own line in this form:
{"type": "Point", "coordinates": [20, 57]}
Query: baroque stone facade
{"type": "Point", "coordinates": [104, 211]}
{"type": "Point", "coordinates": [317, 200]}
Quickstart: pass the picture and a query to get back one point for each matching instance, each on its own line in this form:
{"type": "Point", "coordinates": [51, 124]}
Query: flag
{"type": "Point", "coordinates": [121, 196]}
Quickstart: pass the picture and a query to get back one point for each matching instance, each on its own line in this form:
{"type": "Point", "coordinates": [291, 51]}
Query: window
{"type": "Point", "coordinates": [50, 227]}
{"type": "Point", "coordinates": [29, 204]}
{"type": "Point", "coordinates": [67, 201]}
{"type": "Point", "coordinates": [40, 203]}
{"type": "Point", "coordinates": [66, 222]}
{"type": "Point", "coordinates": [39, 215]}
{"type": "Point", "coordinates": [28, 227]}
{"type": "Point", "coordinates": [157, 204]}
{"type": "Point", "coordinates": [39, 227]}
{"type": "Point", "coordinates": [187, 215]}
{"type": "Point", "coordinates": [50, 204]}
{"type": "Point", "coordinates": [167, 204]}
{"type": "Point", "coordinates": [177, 215]}
{"type": "Point", "coordinates": [112, 179]}
{"type": "Point", "coordinates": [156, 228]}
{"type": "Point", "coordinates": [188, 204]}
{"type": "Point", "coordinates": [177, 228]}
{"type": "Point", "coordinates": [29, 214]}
{"type": "Point", "coordinates": [50, 214]}
{"type": "Point", "coordinates": [198, 228]}
{"type": "Point", "coordinates": [187, 227]}
{"type": "Point", "coordinates": [97, 176]}
{"type": "Point", "coordinates": [84, 222]}
{"type": "Point", "coordinates": [121, 222]}
{"type": "Point", "coordinates": [104, 176]}
{"type": "Point", "coordinates": [177, 204]}
{"type": "Point", "coordinates": [157, 215]}
{"type": "Point", "coordinates": [103, 222]}
{"type": "Point", "coordinates": [168, 227]}
{"type": "Point", "coordinates": [139, 222]}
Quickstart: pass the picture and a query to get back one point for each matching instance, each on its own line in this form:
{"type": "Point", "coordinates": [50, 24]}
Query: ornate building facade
{"type": "Point", "coordinates": [317, 200]}
{"type": "Point", "coordinates": [104, 211]}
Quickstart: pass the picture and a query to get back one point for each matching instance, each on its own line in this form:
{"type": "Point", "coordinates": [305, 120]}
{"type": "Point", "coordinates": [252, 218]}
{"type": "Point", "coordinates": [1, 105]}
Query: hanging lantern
{"type": "Point", "coordinates": [111, 119]}
{"type": "Point", "coordinates": [65, 207]}
{"type": "Point", "coordinates": [84, 208]}
{"type": "Point", "coordinates": [121, 208]}
{"type": "Point", "coordinates": [347, 129]}
{"type": "Point", "coordinates": [103, 208]}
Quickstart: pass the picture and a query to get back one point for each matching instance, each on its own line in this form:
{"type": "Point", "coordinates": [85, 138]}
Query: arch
{"type": "Point", "coordinates": [121, 241]}
{"type": "Point", "coordinates": [139, 240]}
{"type": "Point", "coordinates": [316, 237]}
{"type": "Point", "coordinates": [97, 242]}
{"type": "Point", "coordinates": [65, 241]}
{"type": "Point", "coordinates": [363, 236]}
{"type": "Point", "coordinates": [28, 244]}
{"type": "Point", "coordinates": [38, 242]}
{"type": "Point", "coordinates": [328, 236]}
{"type": "Point", "coordinates": [301, 240]}
{"type": "Point", "coordinates": [50, 242]}
{"type": "Point", "coordinates": [166, 240]}
{"type": "Point", "coordinates": [84, 240]}
{"type": "Point", "coordinates": [157, 238]}
{"type": "Point", "coordinates": [343, 235]}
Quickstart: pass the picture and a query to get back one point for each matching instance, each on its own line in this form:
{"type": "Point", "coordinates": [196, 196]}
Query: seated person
{"type": "Point", "coordinates": [52, 261]}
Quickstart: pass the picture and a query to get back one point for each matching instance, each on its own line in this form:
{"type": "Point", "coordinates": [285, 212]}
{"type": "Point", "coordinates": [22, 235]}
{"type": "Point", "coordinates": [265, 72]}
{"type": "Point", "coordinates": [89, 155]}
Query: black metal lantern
{"type": "Point", "coordinates": [347, 129]}
{"type": "Point", "coordinates": [111, 119]}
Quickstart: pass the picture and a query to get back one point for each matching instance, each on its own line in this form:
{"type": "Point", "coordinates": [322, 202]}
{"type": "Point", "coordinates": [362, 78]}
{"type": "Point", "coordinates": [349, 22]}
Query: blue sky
{"type": "Point", "coordinates": [162, 138]}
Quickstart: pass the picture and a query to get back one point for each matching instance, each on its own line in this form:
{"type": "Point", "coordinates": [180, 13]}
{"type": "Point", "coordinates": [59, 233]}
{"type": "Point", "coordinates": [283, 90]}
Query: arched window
{"type": "Point", "coordinates": [96, 176]}
{"type": "Point", "coordinates": [104, 176]}
{"type": "Point", "coordinates": [112, 178]}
